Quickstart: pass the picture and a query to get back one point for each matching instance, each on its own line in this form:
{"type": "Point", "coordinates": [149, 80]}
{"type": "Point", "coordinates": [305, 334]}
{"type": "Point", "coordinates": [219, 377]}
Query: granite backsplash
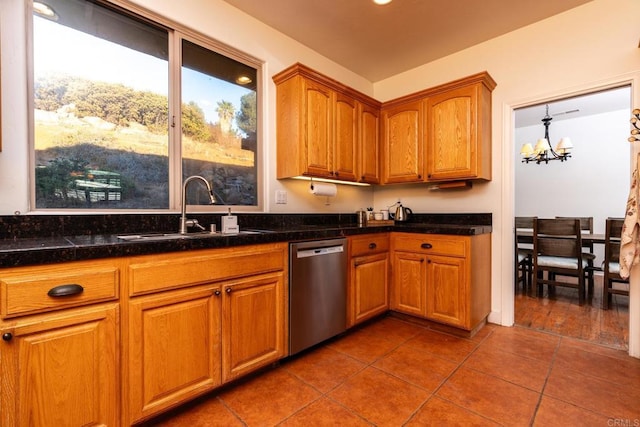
{"type": "Point", "coordinates": [29, 226]}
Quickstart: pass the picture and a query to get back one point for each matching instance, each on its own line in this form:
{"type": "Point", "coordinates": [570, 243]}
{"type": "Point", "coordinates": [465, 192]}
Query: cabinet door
{"type": "Point", "coordinates": [174, 348]}
{"type": "Point", "coordinates": [403, 143]}
{"type": "Point", "coordinates": [451, 135]}
{"type": "Point", "coordinates": [369, 144]}
{"type": "Point", "coordinates": [346, 138]}
{"type": "Point", "coordinates": [447, 292]}
{"type": "Point", "coordinates": [318, 130]}
{"type": "Point", "coordinates": [369, 287]}
{"type": "Point", "coordinates": [409, 277]}
{"type": "Point", "coordinates": [253, 324]}
{"type": "Point", "coordinates": [61, 369]}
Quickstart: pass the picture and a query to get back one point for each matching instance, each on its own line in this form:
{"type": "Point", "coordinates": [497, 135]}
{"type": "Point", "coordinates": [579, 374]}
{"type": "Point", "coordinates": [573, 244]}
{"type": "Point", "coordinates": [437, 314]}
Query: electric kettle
{"type": "Point", "coordinates": [402, 213]}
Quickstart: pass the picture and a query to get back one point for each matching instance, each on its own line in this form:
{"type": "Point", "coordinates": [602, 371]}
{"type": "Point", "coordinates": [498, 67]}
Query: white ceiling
{"type": "Point", "coordinates": [377, 42]}
{"type": "Point", "coordinates": [570, 108]}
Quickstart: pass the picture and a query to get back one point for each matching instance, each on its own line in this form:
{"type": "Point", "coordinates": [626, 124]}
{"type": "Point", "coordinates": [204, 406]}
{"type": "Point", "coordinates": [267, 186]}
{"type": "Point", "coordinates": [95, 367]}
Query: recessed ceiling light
{"type": "Point", "coordinates": [382, 1]}
{"type": "Point", "coordinates": [243, 80]}
{"type": "Point", "coordinates": [44, 10]}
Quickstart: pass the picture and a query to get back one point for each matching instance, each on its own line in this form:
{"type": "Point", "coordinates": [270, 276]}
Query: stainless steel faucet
{"type": "Point", "coordinates": [184, 222]}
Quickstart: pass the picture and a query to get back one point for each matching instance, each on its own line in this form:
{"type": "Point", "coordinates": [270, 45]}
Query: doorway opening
{"type": "Point", "coordinates": [593, 182]}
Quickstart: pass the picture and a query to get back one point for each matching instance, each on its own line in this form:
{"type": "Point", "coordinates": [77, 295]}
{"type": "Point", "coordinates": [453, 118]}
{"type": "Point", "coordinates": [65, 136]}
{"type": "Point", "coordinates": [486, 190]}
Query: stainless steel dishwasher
{"type": "Point", "coordinates": [317, 292]}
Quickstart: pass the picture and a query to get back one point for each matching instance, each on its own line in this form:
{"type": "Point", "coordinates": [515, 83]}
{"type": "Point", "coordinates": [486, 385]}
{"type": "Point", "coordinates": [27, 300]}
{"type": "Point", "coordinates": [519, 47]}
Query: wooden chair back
{"type": "Point", "coordinates": [560, 237]}
{"type": "Point", "coordinates": [611, 264]}
{"type": "Point", "coordinates": [586, 225]}
{"type": "Point", "coordinates": [557, 250]}
{"type": "Point", "coordinates": [524, 222]}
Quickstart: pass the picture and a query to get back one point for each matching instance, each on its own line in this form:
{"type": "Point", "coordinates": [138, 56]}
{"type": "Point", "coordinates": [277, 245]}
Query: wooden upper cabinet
{"type": "Point", "coordinates": [369, 144]}
{"type": "Point", "coordinates": [458, 131]}
{"type": "Point", "coordinates": [328, 130]}
{"type": "Point", "coordinates": [318, 117]}
{"type": "Point", "coordinates": [318, 126]}
{"type": "Point", "coordinates": [346, 139]}
{"type": "Point", "coordinates": [402, 143]}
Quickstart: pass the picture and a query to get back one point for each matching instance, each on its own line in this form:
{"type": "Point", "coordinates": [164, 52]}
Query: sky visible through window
{"type": "Point", "coordinates": [102, 60]}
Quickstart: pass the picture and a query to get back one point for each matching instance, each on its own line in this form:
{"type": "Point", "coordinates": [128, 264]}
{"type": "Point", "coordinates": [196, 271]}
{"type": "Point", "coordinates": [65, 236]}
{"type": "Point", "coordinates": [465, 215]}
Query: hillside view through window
{"type": "Point", "coordinates": [109, 132]}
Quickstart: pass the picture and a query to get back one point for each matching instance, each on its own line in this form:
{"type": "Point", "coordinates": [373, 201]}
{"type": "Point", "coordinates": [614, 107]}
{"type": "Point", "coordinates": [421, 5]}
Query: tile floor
{"type": "Point", "coordinates": [395, 373]}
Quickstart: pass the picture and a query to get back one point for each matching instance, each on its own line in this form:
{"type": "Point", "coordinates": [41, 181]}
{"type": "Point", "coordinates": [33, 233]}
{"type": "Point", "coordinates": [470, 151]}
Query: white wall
{"type": "Point", "coordinates": [593, 182]}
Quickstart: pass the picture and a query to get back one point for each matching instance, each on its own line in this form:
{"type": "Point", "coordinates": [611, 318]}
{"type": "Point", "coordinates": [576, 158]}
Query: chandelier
{"type": "Point", "coordinates": [542, 152]}
{"type": "Point", "coordinates": [635, 120]}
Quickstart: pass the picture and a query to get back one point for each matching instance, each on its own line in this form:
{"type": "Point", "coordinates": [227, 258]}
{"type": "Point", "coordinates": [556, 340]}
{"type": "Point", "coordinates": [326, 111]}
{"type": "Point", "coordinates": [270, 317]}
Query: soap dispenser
{"type": "Point", "coordinates": [230, 224]}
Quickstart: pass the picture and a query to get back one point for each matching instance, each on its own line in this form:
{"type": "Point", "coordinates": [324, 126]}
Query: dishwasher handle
{"type": "Point", "coordinates": [311, 252]}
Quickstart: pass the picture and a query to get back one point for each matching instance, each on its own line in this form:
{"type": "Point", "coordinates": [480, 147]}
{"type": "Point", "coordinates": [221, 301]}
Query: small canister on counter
{"type": "Point", "coordinates": [362, 218]}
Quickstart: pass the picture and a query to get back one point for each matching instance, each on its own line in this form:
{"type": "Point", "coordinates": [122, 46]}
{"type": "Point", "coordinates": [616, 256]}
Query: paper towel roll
{"type": "Point", "coordinates": [323, 189]}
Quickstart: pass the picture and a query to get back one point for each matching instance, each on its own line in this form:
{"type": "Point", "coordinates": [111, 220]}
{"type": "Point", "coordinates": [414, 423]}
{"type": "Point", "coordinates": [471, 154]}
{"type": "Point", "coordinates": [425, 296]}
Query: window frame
{"type": "Point", "coordinates": [176, 33]}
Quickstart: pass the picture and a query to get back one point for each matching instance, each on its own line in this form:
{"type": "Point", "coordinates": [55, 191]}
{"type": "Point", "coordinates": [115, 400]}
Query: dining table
{"type": "Point", "coordinates": [526, 236]}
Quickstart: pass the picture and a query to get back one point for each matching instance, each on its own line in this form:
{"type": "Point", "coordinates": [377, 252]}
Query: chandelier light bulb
{"type": "Point", "coordinates": [526, 150]}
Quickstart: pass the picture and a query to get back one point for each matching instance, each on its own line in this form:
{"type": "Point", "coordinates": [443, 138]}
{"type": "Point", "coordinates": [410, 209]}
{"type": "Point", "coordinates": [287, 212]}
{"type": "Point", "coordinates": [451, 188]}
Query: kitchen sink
{"type": "Point", "coordinates": [139, 237]}
{"type": "Point", "coordinates": [150, 236]}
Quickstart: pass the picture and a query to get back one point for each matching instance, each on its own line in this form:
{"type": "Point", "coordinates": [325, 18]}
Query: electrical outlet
{"type": "Point", "coordinates": [281, 197]}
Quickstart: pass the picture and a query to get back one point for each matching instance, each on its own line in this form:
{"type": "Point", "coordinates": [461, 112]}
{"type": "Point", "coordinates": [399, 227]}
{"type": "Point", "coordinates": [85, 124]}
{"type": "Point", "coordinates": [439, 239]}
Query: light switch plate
{"type": "Point", "coordinates": [281, 197]}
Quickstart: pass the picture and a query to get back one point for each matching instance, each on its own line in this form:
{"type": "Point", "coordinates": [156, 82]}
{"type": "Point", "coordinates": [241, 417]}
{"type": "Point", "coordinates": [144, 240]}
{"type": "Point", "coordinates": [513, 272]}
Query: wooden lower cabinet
{"type": "Point", "coordinates": [173, 348]}
{"type": "Point", "coordinates": [368, 293]}
{"type": "Point", "coordinates": [61, 369]}
{"type": "Point", "coordinates": [443, 278]}
{"type": "Point", "coordinates": [185, 341]}
{"type": "Point", "coordinates": [253, 319]}
{"type": "Point", "coordinates": [447, 289]}
{"type": "Point", "coordinates": [409, 279]}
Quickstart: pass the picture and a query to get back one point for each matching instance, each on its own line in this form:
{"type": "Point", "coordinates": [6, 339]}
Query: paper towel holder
{"type": "Point", "coordinates": [311, 190]}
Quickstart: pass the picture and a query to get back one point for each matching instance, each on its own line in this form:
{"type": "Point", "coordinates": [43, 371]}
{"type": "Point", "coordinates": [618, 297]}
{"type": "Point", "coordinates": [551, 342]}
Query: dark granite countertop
{"type": "Point", "coordinates": [29, 250]}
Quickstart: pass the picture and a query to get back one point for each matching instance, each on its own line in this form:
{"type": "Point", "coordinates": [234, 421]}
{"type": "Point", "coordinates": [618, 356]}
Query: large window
{"type": "Point", "coordinates": [125, 109]}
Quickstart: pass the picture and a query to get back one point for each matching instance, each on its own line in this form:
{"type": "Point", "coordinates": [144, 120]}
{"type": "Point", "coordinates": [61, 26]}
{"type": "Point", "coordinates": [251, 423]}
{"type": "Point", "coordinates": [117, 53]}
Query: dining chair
{"type": "Point", "coordinates": [557, 250]}
{"type": "Point", "coordinates": [523, 254]}
{"type": "Point", "coordinates": [612, 283]}
{"type": "Point", "coordinates": [586, 226]}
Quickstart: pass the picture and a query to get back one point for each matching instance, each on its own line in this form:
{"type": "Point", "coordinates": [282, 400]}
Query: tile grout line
{"type": "Point", "coordinates": [462, 362]}
{"type": "Point", "coordinates": [546, 379]}
{"type": "Point", "coordinates": [228, 408]}
{"type": "Point", "coordinates": [398, 345]}
{"type": "Point", "coordinates": [444, 381]}
{"type": "Point", "coordinates": [322, 395]}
